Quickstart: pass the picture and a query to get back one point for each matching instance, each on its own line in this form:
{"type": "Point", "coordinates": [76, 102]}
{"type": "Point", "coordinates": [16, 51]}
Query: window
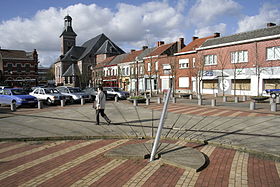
{"type": "Point", "coordinates": [18, 67]}
{"type": "Point", "coordinates": [271, 83]}
{"type": "Point", "coordinates": [141, 70]}
{"type": "Point", "coordinates": [127, 71]}
{"type": "Point", "coordinates": [241, 84]}
{"type": "Point", "coordinates": [27, 67]}
{"type": "Point", "coordinates": [210, 84]}
{"type": "Point", "coordinates": [273, 53]}
{"type": "Point", "coordinates": [149, 66]}
{"type": "Point", "coordinates": [132, 70]}
{"type": "Point", "coordinates": [156, 66]}
{"type": "Point", "coordinates": [166, 68]}
{"type": "Point", "coordinates": [10, 67]}
{"type": "Point", "coordinates": [210, 59]}
{"type": "Point", "coordinates": [193, 61]}
{"type": "Point", "coordinates": [183, 63]}
{"type": "Point", "coordinates": [239, 56]}
{"type": "Point", "coordinates": [184, 82]}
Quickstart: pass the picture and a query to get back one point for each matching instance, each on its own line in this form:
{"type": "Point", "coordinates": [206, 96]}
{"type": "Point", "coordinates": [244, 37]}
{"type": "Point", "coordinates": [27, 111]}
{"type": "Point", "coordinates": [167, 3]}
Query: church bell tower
{"type": "Point", "coordinates": [68, 36]}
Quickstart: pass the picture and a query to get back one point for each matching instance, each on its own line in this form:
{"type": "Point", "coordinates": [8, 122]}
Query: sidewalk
{"type": "Point", "coordinates": [82, 162]}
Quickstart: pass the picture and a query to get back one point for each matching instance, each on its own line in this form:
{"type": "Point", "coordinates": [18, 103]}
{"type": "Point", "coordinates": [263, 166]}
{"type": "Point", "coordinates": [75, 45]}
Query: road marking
{"type": "Point", "coordinates": [54, 172]}
{"type": "Point", "coordinates": [238, 173]}
{"type": "Point", "coordinates": [235, 114]}
{"type": "Point", "coordinates": [22, 154]}
{"type": "Point", "coordinates": [98, 173]}
{"type": "Point", "coordinates": [43, 159]}
{"type": "Point", "coordinates": [278, 167]}
{"type": "Point", "coordinates": [12, 147]}
{"type": "Point", "coordinates": [220, 113]}
{"type": "Point", "coordinates": [194, 111]}
{"type": "Point", "coordinates": [144, 174]}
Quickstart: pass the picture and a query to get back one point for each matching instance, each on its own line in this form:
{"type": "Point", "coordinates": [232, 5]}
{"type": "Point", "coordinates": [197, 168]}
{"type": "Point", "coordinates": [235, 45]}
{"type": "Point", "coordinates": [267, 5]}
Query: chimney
{"type": "Point", "coordinates": [180, 44]}
{"type": "Point", "coordinates": [159, 43]}
{"type": "Point", "coordinates": [216, 35]}
{"type": "Point", "coordinates": [194, 38]}
{"type": "Point", "coordinates": [270, 24]}
{"type": "Point", "coordinates": [132, 50]}
{"type": "Point", "coordinates": [144, 47]}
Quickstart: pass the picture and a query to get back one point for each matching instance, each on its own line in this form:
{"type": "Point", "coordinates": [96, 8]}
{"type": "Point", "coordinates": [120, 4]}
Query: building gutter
{"type": "Point", "coordinates": [239, 42]}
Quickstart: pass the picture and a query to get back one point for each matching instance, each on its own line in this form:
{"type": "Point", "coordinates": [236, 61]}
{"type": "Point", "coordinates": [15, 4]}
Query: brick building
{"type": "Point", "coordinates": [18, 68]}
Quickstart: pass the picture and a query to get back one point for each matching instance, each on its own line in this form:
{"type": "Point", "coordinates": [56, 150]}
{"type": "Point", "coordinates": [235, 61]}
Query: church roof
{"type": "Point", "coordinates": [100, 44]}
{"type": "Point", "coordinates": [72, 71]}
{"type": "Point", "coordinates": [68, 31]}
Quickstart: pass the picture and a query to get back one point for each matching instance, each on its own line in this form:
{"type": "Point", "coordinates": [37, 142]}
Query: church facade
{"type": "Point", "coordinates": [74, 65]}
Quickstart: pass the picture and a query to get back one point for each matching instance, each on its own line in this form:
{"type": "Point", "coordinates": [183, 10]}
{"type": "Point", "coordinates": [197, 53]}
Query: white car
{"type": "Point", "coordinates": [76, 93]}
{"type": "Point", "coordinates": [49, 95]}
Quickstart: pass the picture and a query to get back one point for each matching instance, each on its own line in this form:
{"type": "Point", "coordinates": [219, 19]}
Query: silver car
{"type": "Point", "coordinates": [76, 93]}
{"type": "Point", "coordinates": [49, 95]}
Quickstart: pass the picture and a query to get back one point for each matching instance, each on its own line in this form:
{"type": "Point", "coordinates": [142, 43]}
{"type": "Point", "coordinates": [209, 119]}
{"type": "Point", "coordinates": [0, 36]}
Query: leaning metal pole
{"type": "Point", "coordinates": [160, 126]}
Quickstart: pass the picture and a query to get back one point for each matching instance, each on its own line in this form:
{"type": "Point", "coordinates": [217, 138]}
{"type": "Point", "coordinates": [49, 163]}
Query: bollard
{"type": "Point", "coordinates": [159, 100]}
{"type": "Point", "coordinates": [236, 99]}
{"type": "Point", "coordinates": [271, 100]}
{"type": "Point", "coordinates": [244, 98]}
{"type": "Point", "coordinates": [213, 102]}
{"type": "Point", "coordinates": [13, 106]}
{"type": "Point", "coordinates": [40, 104]}
{"type": "Point", "coordinates": [278, 99]}
{"type": "Point", "coordinates": [174, 99]}
{"type": "Point", "coordinates": [135, 102]}
{"type": "Point", "coordinates": [199, 102]}
{"type": "Point", "coordinates": [62, 102]}
{"type": "Point", "coordinates": [191, 97]}
{"type": "Point", "coordinates": [273, 107]}
{"type": "Point", "coordinates": [147, 101]}
{"type": "Point", "coordinates": [225, 99]}
{"type": "Point", "coordinates": [199, 96]}
{"type": "Point", "coordinates": [252, 105]}
{"type": "Point", "coordinates": [82, 101]}
{"type": "Point", "coordinates": [116, 98]}
{"type": "Point", "coordinates": [216, 95]}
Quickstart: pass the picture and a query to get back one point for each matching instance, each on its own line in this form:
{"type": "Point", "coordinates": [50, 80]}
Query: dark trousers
{"type": "Point", "coordinates": [101, 111]}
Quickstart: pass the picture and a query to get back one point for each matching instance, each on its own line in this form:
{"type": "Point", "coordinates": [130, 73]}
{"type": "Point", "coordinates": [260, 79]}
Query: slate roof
{"type": "Point", "coordinates": [16, 54]}
{"type": "Point", "coordinates": [118, 59]}
{"type": "Point", "coordinates": [68, 31]}
{"type": "Point", "coordinates": [72, 71]}
{"type": "Point", "coordinates": [100, 44]}
{"type": "Point", "coordinates": [270, 31]}
{"type": "Point", "coordinates": [145, 53]}
{"type": "Point", "coordinates": [104, 62]}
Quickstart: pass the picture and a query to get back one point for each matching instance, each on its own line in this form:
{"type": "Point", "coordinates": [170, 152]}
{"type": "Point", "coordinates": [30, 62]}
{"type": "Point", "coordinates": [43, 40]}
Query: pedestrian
{"type": "Point", "coordinates": [100, 101]}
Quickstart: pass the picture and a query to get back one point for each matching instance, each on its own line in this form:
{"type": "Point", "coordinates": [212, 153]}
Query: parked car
{"type": "Point", "coordinates": [49, 95]}
{"type": "Point", "coordinates": [17, 95]}
{"type": "Point", "coordinates": [76, 93]}
{"type": "Point", "coordinates": [273, 92]}
{"type": "Point", "coordinates": [116, 92]}
{"type": "Point", "coordinates": [91, 91]}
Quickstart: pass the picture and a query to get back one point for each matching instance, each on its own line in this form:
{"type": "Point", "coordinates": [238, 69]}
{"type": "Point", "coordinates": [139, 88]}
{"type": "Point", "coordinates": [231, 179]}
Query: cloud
{"type": "Point", "coordinates": [210, 30]}
{"type": "Point", "coordinates": [126, 25]}
{"type": "Point", "coordinates": [205, 12]}
{"type": "Point", "coordinates": [267, 13]}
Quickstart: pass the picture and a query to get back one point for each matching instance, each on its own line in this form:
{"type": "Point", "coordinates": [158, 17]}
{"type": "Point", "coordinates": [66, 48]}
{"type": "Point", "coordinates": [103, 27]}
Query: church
{"type": "Point", "coordinates": [74, 65]}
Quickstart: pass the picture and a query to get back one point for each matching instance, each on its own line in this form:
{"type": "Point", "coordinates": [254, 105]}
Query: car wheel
{"type": "Point", "coordinates": [49, 101]}
{"type": "Point", "coordinates": [273, 95]}
{"type": "Point", "coordinates": [72, 101]}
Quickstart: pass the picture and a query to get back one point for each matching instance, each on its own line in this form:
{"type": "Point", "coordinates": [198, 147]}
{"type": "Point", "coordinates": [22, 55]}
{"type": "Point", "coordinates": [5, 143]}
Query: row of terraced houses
{"type": "Point", "coordinates": [244, 63]}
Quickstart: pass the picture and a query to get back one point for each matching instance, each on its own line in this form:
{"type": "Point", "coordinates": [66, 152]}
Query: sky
{"type": "Point", "coordinates": [37, 24]}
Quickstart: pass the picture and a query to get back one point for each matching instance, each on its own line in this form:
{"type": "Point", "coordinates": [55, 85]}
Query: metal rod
{"type": "Point", "coordinates": [160, 126]}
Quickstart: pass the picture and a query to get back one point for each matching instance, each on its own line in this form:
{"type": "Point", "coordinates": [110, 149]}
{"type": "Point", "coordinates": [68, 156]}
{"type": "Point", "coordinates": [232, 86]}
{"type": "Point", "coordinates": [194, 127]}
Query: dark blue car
{"type": "Point", "coordinates": [17, 95]}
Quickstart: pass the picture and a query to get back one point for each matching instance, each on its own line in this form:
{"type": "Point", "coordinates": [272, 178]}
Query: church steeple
{"type": "Point", "coordinates": [68, 36]}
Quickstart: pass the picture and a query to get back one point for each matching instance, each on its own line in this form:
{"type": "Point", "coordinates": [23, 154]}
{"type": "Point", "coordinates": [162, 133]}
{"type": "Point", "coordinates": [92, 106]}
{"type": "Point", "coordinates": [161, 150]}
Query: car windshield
{"type": "Point", "coordinates": [19, 92]}
{"type": "Point", "coordinates": [75, 90]}
{"type": "Point", "coordinates": [117, 89]}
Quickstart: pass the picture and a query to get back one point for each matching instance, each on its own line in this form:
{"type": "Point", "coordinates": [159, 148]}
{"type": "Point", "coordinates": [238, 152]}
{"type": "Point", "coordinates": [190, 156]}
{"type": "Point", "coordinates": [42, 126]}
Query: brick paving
{"type": "Point", "coordinates": [82, 163]}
